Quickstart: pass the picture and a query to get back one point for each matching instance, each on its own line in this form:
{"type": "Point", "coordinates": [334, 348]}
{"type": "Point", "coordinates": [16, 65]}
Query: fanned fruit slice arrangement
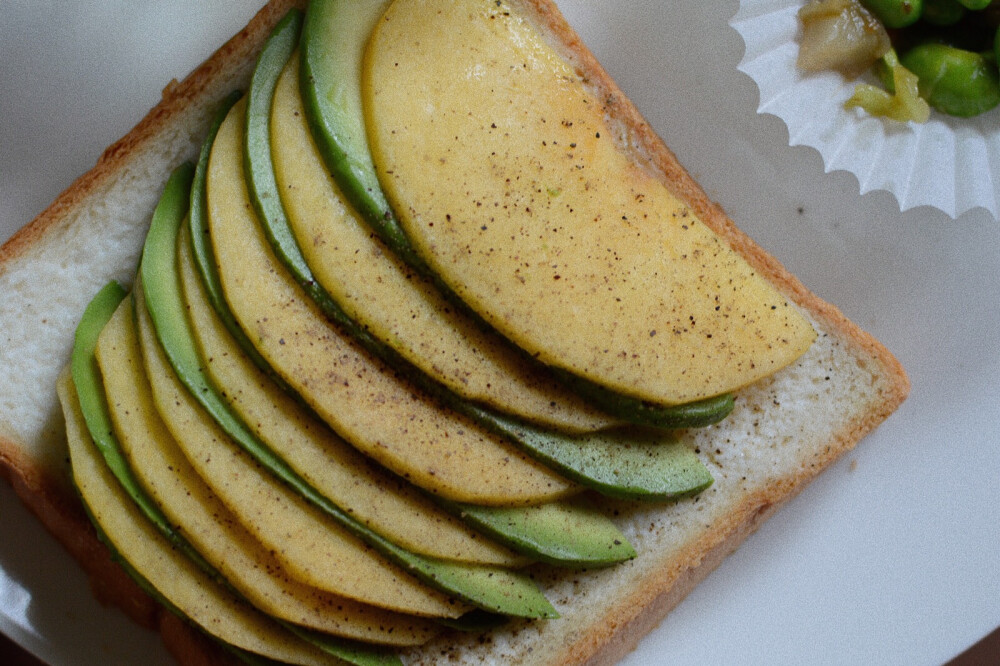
{"type": "Point", "coordinates": [399, 338]}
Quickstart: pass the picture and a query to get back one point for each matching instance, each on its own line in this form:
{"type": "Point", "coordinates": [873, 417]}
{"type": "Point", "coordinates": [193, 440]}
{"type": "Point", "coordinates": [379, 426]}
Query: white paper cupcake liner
{"type": "Point", "coordinates": [952, 164]}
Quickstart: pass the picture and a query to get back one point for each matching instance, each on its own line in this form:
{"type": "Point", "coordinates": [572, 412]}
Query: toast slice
{"type": "Point", "coordinates": [786, 429]}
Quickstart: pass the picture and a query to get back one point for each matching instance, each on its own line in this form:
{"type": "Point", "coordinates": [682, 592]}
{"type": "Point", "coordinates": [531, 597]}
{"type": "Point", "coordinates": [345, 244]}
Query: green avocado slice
{"type": "Point", "coordinates": [95, 412]}
{"type": "Point", "coordinates": [491, 588]}
{"type": "Point", "coordinates": [201, 245]}
{"type": "Point", "coordinates": [334, 38]}
{"type": "Point", "coordinates": [257, 153]}
{"type": "Point", "coordinates": [625, 463]}
{"type": "Point", "coordinates": [644, 469]}
{"type": "Point", "coordinates": [587, 537]}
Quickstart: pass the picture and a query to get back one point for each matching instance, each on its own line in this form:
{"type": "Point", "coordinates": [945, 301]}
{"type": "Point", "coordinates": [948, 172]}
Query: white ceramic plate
{"type": "Point", "coordinates": [891, 557]}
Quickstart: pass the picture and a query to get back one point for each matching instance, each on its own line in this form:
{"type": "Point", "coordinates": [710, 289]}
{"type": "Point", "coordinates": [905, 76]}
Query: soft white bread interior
{"type": "Point", "coordinates": [784, 431]}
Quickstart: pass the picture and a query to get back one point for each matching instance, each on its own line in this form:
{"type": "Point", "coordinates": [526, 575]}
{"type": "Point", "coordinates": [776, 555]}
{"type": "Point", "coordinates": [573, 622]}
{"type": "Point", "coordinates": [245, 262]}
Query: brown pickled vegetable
{"type": "Point", "coordinates": [840, 35]}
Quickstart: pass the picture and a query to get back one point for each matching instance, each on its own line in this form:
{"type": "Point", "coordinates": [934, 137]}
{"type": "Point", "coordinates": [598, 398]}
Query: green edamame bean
{"type": "Point", "coordinates": [975, 5]}
{"type": "Point", "coordinates": [895, 13]}
{"type": "Point", "coordinates": [943, 12]}
{"type": "Point", "coordinates": [954, 81]}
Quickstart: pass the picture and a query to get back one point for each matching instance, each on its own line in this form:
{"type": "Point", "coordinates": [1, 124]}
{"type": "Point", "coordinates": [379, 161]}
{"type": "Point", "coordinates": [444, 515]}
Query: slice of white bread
{"type": "Point", "coordinates": [783, 432]}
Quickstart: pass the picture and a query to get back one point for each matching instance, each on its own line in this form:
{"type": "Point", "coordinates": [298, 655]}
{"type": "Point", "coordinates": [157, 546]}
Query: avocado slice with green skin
{"type": "Point", "coordinates": [200, 242]}
{"type": "Point", "coordinates": [490, 588]}
{"type": "Point", "coordinates": [334, 37]}
{"type": "Point", "coordinates": [257, 161]}
{"type": "Point", "coordinates": [625, 464]}
{"type": "Point", "coordinates": [588, 539]}
{"type": "Point", "coordinates": [642, 470]}
{"type": "Point", "coordinates": [101, 468]}
{"type": "Point", "coordinates": [333, 40]}
{"type": "Point", "coordinates": [94, 412]}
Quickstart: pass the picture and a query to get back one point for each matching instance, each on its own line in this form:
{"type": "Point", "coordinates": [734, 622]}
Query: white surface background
{"type": "Point", "coordinates": [891, 557]}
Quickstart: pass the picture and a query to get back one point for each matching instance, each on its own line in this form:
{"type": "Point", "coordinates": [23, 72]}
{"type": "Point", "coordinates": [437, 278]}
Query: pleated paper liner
{"type": "Point", "coordinates": [952, 164]}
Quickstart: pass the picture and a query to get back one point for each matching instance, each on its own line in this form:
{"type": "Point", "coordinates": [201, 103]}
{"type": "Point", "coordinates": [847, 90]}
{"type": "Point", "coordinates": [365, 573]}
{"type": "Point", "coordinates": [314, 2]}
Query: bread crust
{"type": "Point", "coordinates": [633, 615]}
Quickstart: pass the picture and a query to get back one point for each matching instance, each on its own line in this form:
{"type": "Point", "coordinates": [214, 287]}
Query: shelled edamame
{"type": "Point", "coordinates": [937, 53]}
